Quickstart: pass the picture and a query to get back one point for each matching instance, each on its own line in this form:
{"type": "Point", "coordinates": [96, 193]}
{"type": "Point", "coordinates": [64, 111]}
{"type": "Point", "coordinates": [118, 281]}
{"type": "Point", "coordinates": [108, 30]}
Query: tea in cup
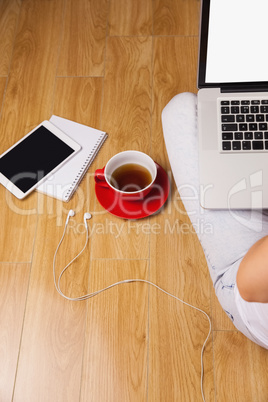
{"type": "Point", "coordinates": [130, 174]}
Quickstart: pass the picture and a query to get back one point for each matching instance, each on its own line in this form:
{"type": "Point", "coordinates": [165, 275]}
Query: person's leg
{"type": "Point", "coordinates": [225, 235]}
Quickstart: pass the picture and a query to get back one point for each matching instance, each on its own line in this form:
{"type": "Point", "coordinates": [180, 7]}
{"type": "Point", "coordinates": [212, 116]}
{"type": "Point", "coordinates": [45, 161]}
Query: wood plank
{"type": "Point", "coordinates": [115, 360]}
{"type": "Point", "coordinates": [84, 35]}
{"type": "Point", "coordinates": [3, 81]}
{"type": "Point", "coordinates": [175, 70]}
{"type": "Point", "coordinates": [52, 343]}
{"type": "Point", "coordinates": [239, 368]}
{"type": "Point", "coordinates": [177, 261]}
{"type": "Point", "coordinates": [117, 238]}
{"type": "Point", "coordinates": [14, 280]}
{"type": "Point", "coordinates": [23, 222]}
{"type": "Point", "coordinates": [28, 101]}
{"type": "Point", "coordinates": [177, 332]}
{"type": "Point", "coordinates": [9, 12]}
{"type": "Point", "coordinates": [18, 226]}
{"type": "Point", "coordinates": [130, 18]}
{"type": "Point", "coordinates": [127, 94]}
{"type": "Point", "coordinates": [29, 92]}
{"type": "Point", "coordinates": [23, 219]}
{"type": "Point", "coordinates": [176, 17]}
{"type": "Point", "coordinates": [80, 99]}
{"type": "Point", "coordinates": [126, 117]}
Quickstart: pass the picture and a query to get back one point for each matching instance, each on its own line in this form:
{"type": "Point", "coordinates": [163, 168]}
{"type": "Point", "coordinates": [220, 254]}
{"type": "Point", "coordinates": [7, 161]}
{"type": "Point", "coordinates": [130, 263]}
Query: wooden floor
{"type": "Point", "coordinates": [113, 65]}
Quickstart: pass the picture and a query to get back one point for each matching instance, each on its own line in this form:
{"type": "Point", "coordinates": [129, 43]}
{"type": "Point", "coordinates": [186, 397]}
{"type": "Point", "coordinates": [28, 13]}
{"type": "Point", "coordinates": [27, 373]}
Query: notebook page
{"type": "Point", "coordinates": [64, 182]}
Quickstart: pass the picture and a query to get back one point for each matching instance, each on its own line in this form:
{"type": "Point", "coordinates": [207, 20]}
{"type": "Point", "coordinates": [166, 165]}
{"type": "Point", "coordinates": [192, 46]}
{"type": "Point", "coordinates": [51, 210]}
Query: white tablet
{"type": "Point", "coordinates": [32, 159]}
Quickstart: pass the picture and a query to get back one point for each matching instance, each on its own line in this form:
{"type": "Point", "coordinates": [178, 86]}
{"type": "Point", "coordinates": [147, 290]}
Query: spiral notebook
{"type": "Point", "coordinates": [64, 182]}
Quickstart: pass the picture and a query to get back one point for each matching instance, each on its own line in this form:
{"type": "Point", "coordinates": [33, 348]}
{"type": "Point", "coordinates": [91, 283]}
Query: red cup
{"type": "Point", "coordinates": [103, 176]}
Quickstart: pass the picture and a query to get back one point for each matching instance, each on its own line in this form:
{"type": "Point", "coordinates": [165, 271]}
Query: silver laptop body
{"type": "Point", "coordinates": [233, 104]}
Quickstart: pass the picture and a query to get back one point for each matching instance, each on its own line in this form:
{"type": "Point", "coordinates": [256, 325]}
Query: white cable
{"type": "Point", "coordinates": [57, 285]}
{"type": "Point", "coordinates": [90, 295]}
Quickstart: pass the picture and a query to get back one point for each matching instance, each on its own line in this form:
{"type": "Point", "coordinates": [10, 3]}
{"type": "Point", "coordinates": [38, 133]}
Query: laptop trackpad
{"type": "Point", "coordinates": [231, 181]}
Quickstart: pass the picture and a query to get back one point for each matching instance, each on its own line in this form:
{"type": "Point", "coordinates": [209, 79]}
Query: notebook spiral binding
{"type": "Point", "coordinates": [85, 167]}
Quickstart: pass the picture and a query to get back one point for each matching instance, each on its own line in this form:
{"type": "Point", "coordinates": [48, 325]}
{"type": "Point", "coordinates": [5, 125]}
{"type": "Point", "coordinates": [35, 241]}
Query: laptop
{"type": "Point", "coordinates": [232, 104]}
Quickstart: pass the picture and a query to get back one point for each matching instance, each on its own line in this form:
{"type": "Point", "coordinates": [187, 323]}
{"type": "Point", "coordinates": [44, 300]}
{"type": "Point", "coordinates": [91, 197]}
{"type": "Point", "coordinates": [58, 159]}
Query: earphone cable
{"type": "Point", "coordinates": [93, 294]}
{"type": "Point", "coordinates": [57, 285]}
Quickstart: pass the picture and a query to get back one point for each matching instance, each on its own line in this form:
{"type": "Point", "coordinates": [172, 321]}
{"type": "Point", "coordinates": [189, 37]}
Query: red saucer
{"type": "Point", "coordinates": [150, 204]}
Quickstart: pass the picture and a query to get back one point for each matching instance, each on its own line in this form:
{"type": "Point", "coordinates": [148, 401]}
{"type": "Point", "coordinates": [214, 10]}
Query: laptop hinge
{"type": "Point", "coordinates": [243, 89]}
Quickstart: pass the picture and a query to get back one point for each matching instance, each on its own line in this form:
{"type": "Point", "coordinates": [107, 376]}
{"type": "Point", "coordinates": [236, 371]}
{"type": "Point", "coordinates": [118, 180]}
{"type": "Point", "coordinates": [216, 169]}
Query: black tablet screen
{"type": "Point", "coordinates": [33, 158]}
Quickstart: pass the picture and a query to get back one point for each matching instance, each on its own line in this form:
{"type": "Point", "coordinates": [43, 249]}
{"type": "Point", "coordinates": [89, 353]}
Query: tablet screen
{"type": "Point", "coordinates": [33, 158]}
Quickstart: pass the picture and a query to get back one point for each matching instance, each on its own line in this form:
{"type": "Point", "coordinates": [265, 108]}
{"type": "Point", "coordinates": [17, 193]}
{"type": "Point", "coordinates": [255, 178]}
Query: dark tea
{"type": "Point", "coordinates": [130, 177]}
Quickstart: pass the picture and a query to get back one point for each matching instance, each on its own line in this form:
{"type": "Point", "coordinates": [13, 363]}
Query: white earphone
{"type": "Point", "coordinates": [71, 213]}
{"type": "Point", "coordinates": [88, 216]}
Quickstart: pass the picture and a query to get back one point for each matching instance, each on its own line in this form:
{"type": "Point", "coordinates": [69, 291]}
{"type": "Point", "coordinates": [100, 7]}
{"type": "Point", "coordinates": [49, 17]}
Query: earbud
{"type": "Point", "coordinates": [71, 213]}
{"type": "Point", "coordinates": [87, 216]}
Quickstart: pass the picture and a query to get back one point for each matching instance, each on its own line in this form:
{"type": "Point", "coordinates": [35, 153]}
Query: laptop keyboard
{"type": "Point", "coordinates": [244, 125]}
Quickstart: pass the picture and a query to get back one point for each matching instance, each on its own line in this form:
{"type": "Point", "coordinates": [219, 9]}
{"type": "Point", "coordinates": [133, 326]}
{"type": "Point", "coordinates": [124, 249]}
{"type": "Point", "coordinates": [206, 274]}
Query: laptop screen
{"type": "Point", "coordinates": [233, 43]}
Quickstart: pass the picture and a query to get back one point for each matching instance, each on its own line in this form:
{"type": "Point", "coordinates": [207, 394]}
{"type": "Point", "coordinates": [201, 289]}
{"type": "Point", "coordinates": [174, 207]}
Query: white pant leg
{"type": "Point", "coordinates": [229, 234]}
